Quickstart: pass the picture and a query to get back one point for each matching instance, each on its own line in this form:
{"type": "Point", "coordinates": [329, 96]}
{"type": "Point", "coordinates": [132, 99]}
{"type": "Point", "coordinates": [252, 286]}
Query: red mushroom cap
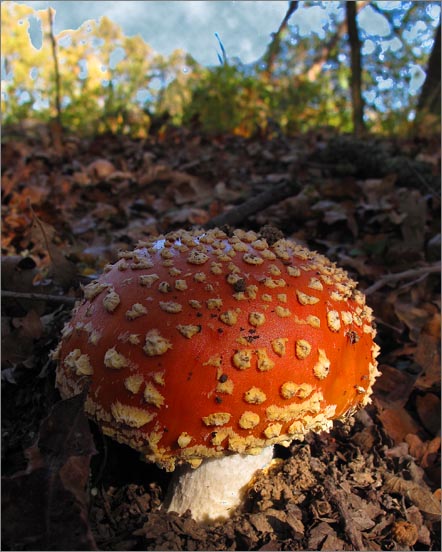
{"type": "Point", "coordinates": [198, 343]}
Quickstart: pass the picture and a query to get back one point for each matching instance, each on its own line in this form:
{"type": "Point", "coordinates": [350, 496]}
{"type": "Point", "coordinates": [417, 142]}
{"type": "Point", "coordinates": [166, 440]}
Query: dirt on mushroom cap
{"type": "Point", "coordinates": [175, 345]}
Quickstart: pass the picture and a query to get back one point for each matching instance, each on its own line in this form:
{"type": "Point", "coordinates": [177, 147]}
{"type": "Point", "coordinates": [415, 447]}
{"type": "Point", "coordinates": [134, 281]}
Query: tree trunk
{"type": "Point", "coordinates": [273, 49]}
{"type": "Point", "coordinates": [324, 53]}
{"type": "Point", "coordinates": [430, 96]}
{"type": "Point", "coordinates": [356, 69]}
{"type": "Point", "coordinates": [55, 125]}
{"type": "Point", "coordinates": [56, 68]}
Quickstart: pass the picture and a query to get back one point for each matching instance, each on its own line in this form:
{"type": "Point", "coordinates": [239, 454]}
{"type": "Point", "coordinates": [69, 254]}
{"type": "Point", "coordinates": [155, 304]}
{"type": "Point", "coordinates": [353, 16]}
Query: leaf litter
{"type": "Point", "coordinates": [372, 206]}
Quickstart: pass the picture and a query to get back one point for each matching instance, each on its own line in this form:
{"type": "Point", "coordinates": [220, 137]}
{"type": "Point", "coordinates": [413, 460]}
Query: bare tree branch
{"type": "Point", "coordinates": [240, 213]}
{"type": "Point", "coordinates": [58, 299]}
{"type": "Point", "coordinates": [405, 275]}
{"type": "Point", "coordinates": [274, 46]}
{"type": "Point", "coordinates": [397, 31]}
{"type": "Point", "coordinates": [323, 55]}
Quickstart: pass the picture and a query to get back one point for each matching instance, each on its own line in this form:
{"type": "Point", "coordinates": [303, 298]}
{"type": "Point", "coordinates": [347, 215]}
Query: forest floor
{"type": "Point", "coordinates": [371, 205]}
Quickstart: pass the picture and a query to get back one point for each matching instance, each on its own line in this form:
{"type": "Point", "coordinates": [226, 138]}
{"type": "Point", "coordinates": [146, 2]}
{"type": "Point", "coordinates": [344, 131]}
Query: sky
{"type": "Point", "coordinates": [244, 27]}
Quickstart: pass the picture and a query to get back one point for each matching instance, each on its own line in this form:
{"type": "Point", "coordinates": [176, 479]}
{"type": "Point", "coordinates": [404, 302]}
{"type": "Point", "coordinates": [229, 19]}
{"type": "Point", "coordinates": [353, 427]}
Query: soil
{"type": "Point", "coordinates": [372, 483]}
{"type": "Point", "coordinates": [332, 492]}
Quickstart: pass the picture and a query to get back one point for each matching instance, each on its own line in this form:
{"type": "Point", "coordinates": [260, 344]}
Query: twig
{"type": "Point", "coordinates": [239, 213]}
{"type": "Point", "coordinates": [275, 44]}
{"type": "Point", "coordinates": [406, 274]}
{"type": "Point", "coordinates": [56, 68]}
{"type": "Point", "coordinates": [324, 53]}
{"type": "Point", "coordinates": [58, 299]}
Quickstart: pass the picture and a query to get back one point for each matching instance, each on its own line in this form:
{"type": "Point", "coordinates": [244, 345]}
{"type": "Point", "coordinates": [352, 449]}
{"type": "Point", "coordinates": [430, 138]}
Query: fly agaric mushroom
{"type": "Point", "coordinates": [202, 350]}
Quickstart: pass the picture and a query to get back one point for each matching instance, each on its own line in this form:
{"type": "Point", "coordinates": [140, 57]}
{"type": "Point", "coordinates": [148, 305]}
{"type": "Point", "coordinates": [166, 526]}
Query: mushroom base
{"type": "Point", "coordinates": [216, 488]}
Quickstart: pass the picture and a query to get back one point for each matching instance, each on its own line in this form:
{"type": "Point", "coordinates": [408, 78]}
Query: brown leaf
{"type": "Point", "coordinates": [43, 234]}
{"type": "Point", "coordinates": [188, 189]}
{"type": "Point", "coordinates": [432, 453]}
{"type": "Point", "coordinates": [412, 316]}
{"type": "Point", "coordinates": [30, 326]}
{"type": "Point", "coordinates": [377, 192]}
{"type": "Point", "coordinates": [428, 357]}
{"type": "Point", "coordinates": [428, 409]}
{"type": "Point", "coordinates": [14, 349]}
{"type": "Point", "coordinates": [74, 474]}
{"type": "Point", "coordinates": [100, 169]}
{"type": "Point", "coordinates": [323, 537]}
{"type": "Point", "coordinates": [18, 338]}
{"type": "Point", "coordinates": [82, 179]}
{"type": "Point", "coordinates": [397, 423]}
{"type": "Point", "coordinates": [418, 494]}
{"type": "Point", "coordinates": [53, 522]}
{"type": "Point", "coordinates": [18, 273]}
{"type": "Point", "coordinates": [413, 207]}
{"type": "Point", "coordinates": [414, 516]}
{"type": "Point", "coordinates": [191, 214]}
{"type": "Point", "coordinates": [260, 522]}
{"type": "Point", "coordinates": [65, 432]}
{"type": "Point", "coordinates": [154, 173]}
{"type": "Point", "coordinates": [57, 473]}
{"type": "Point", "coordinates": [393, 387]}
{"type": "Point", "coordinates": [416, 446]}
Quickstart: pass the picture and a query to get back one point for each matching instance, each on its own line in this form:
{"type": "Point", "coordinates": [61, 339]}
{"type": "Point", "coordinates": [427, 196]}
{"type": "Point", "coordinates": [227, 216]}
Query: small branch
{"type": "Point", "coordinates": [406, 275]}
{"type": "Point", "coordinates": [56, 67]}
{"type": "Point", "coordinates": [274, 47]}
{"type": "Point", "coordinates": [239, 213]}
{"type": "Point", "coordinates": [324, 53]}
{"type": "Point", "coordinates": [58, 299]}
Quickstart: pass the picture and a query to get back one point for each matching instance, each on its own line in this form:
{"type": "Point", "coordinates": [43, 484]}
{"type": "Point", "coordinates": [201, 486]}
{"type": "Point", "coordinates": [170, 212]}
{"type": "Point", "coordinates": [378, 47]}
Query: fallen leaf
{"type": "Point", "coordinates": [190, 214]}
{"type": "Point", "coordinates": [431, 455]}
{"type": "Point", "coordinates": [416, 446]}
{"type": "Point", "coordinates": [397, 423]}
{"type": "Point", "coordinates": [323, 537]}
{"type": "Point", "coordinates": [419, 495]}
{"type": "Point", "coordinates": [18, 273]}
{"type": "Point", "coordinates": [377, 192]}
{"type": "Point", "coordinates": [57, 473]}
{"type": "Point", "coordinates": [43, 234]}
{"type": "Point", "coordinates": [413, 206]}
{"type": "Point", "coordinates": [393, 388]}
{"type": "Point", "coordinates": [412, 316]}
{"type": "Point", "coordinates": [100, 169]}
{"type": "Point", "coordinates": [428, 409]}
{"type": "Point", "coordinates": [29, 327]}
{"type": "Point", "coordinates": [428, 355]}
{"type": "Point", "coordinates": [187, 189]}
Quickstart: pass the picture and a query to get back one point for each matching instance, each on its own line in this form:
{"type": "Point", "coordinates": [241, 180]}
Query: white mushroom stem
{"type": "Point", "coordinates": [216, 488]}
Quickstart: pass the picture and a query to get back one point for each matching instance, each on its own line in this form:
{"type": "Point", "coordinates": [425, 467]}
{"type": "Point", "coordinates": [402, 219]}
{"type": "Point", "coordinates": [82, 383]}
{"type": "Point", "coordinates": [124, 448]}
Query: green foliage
{"type": "Point", "coordinates": [223, 99]}
{"type": "Point", "coordinates": [110, 82]}
{"type": "Point", "coordinates": [98, 92]}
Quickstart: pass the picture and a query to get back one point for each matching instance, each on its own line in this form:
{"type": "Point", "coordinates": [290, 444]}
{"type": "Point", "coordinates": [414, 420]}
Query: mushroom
{"type": "Point", "coordinates": [201, 350]}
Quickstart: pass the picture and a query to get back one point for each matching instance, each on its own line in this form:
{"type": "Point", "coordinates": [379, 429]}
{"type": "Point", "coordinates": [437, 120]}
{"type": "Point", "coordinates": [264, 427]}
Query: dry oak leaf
{"type": "Point", "coordinates": [418, 494]}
